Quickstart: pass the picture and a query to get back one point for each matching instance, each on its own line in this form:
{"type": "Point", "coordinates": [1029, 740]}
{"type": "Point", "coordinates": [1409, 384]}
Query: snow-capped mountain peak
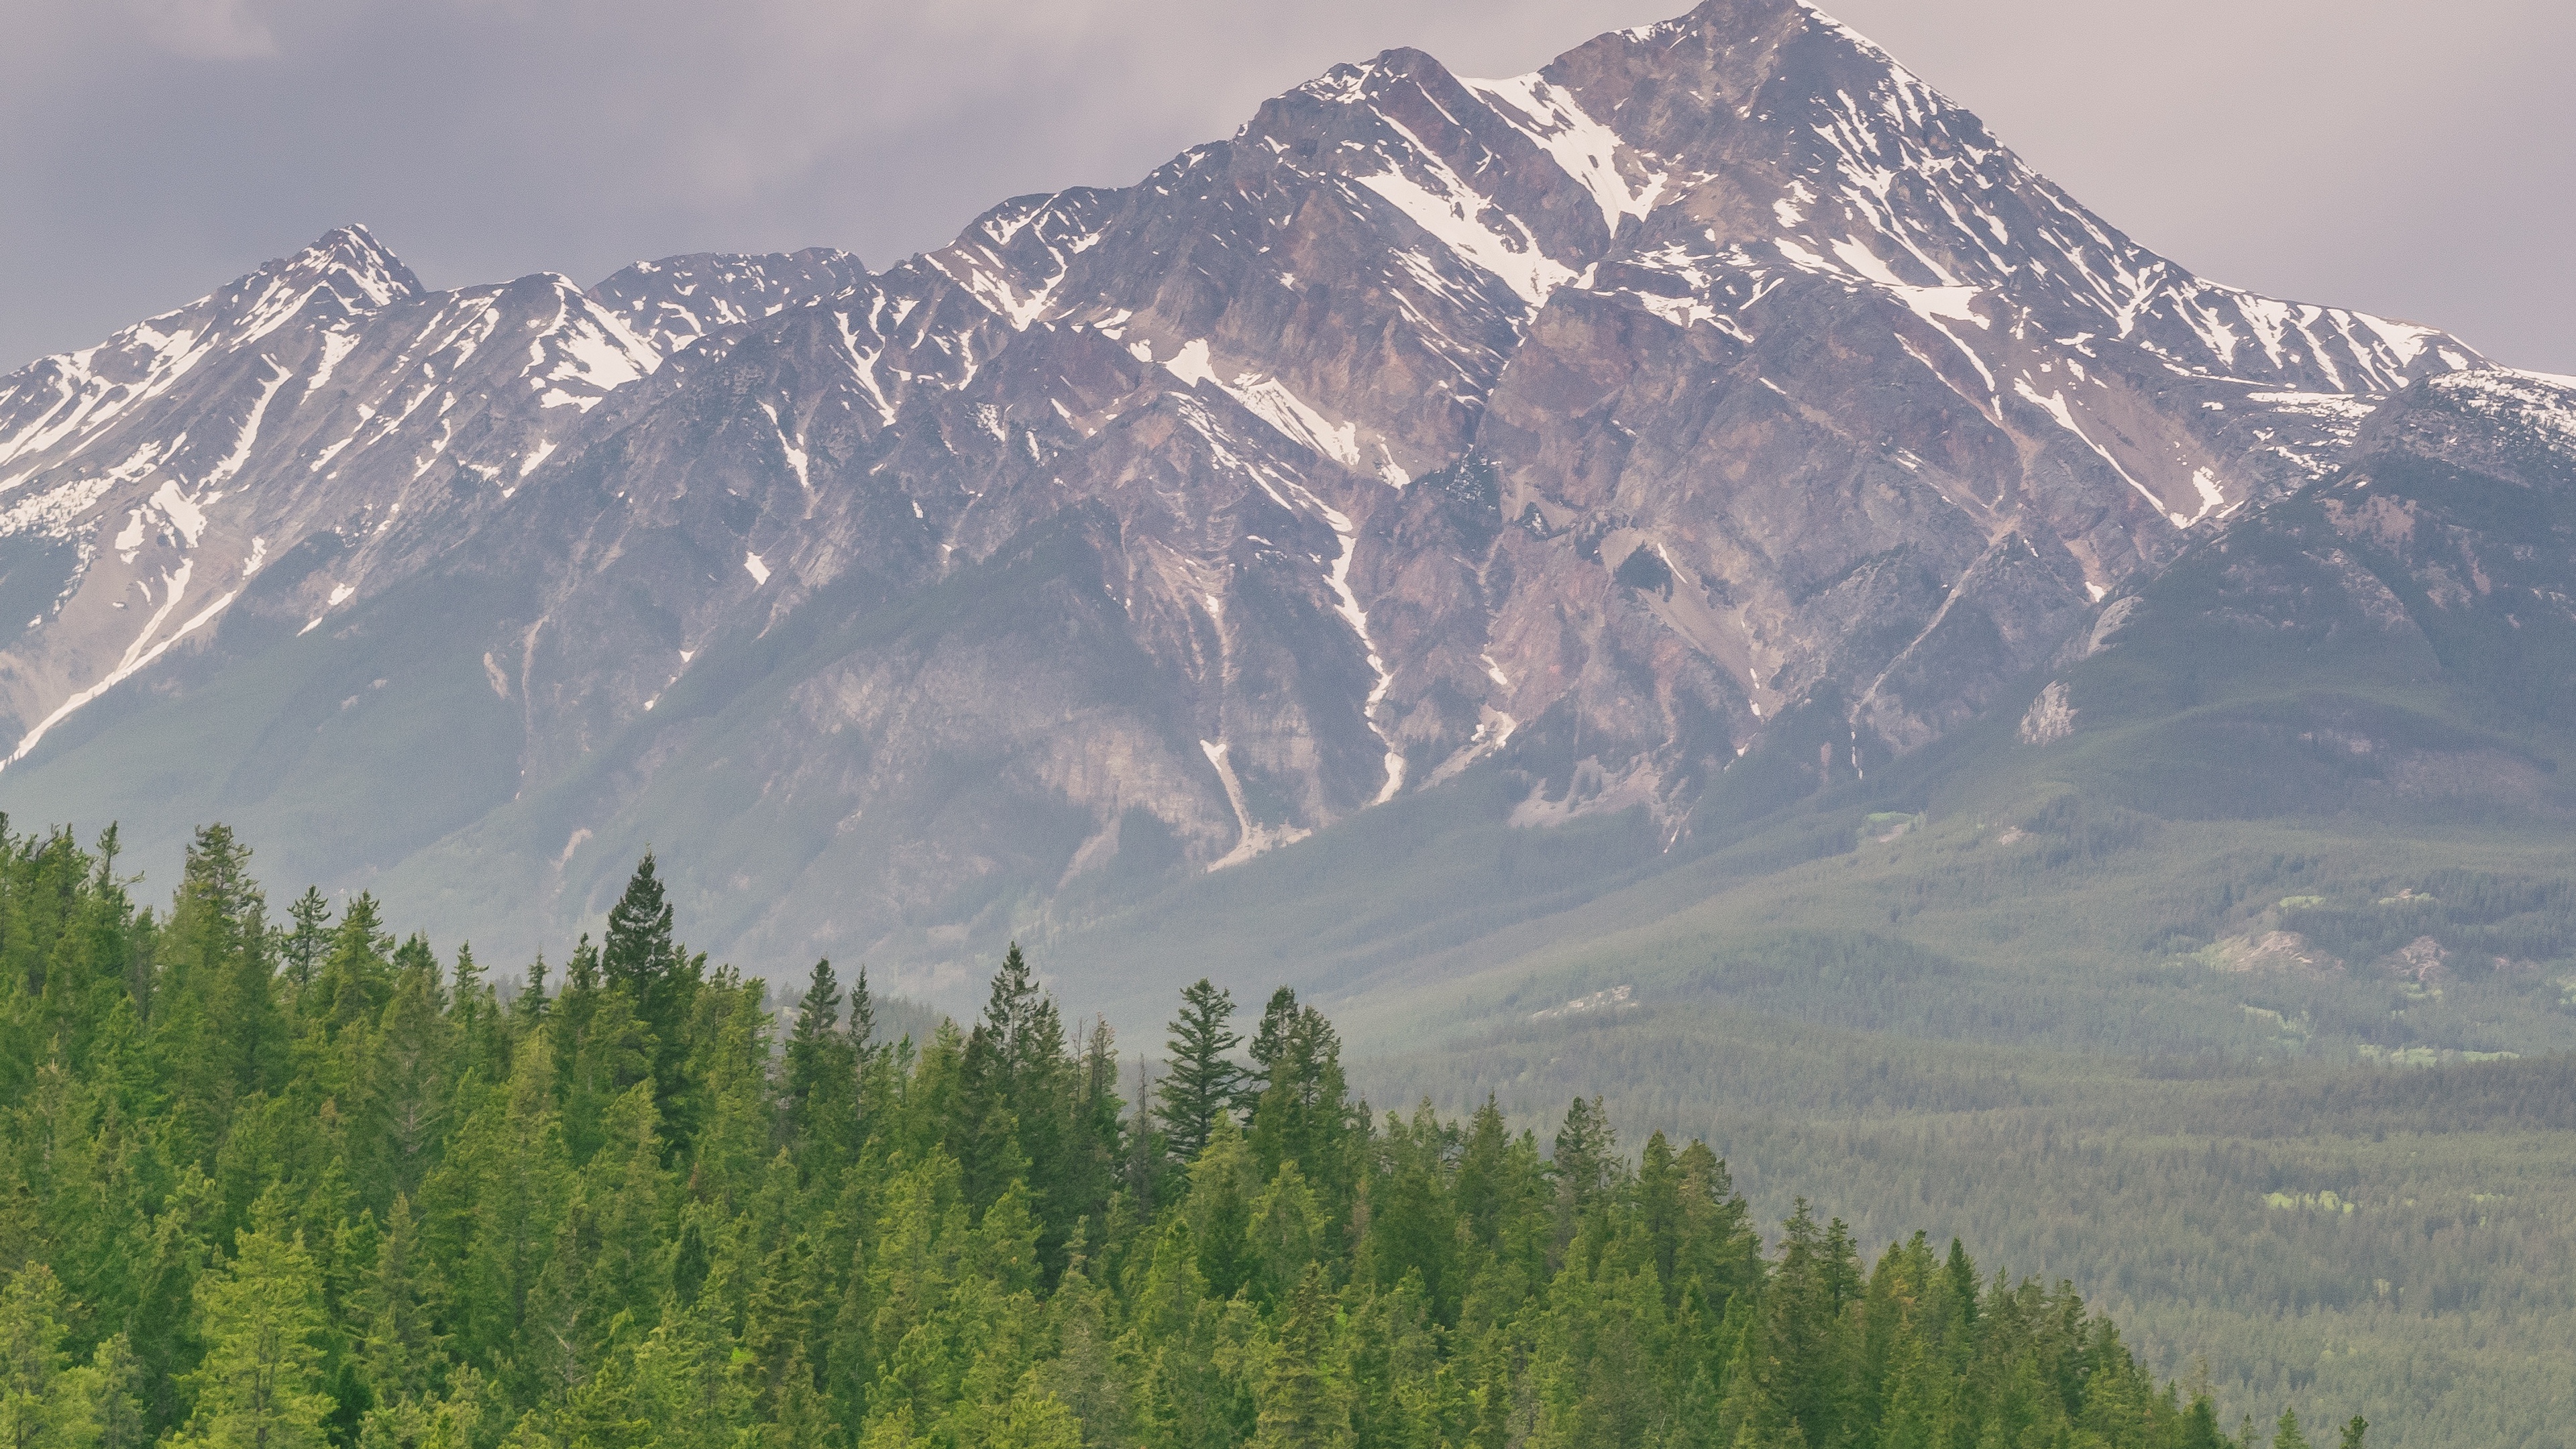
{"type": "Point", "coordinates": [327, 398]}
{"type": "Point", "coordinates": [1717, 385]}
{"type": "Point", "coordinates": [673, 302]}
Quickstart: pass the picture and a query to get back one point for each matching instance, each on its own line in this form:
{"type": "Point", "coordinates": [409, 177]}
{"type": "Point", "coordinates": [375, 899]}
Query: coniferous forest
{"type": "Point", "coordinates": [276, 1179]}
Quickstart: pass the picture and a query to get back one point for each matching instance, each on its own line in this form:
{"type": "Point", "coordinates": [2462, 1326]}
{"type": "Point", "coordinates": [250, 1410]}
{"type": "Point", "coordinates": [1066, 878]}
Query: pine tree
{"type": "Point", "coordinates": [116, 1388]}
{"type": "Point", "coordinates": [661, 980]}
{"type": "Point", "coordinates": [862, 1016]}
{"type": "Point", "coordinates": [1201, 1080]}
{"type": "Point", "coordinates": [41, 1405]}
{"type": "Point", "coordinates": [1963, 1281]}
{"type": "Point", "coordinates": [309, 942]}
{"type": "Point", "coordinates": [395, 1354]}
{"type": "Point", "coordinates": [1585, 1153]}
{"type": "Point", "coordinates": [1302, 1406]}
{"type": "Point", "coordinates": [528, 1005]}
{"type": "Point", "coordinates": [822, 1087]}
{"type": "Point", "coordinates": [2200, 1425]}
{"type": "Point", "coordinates": [260, 1384]}
{"type": "Point", "coordinates": [1014, 1094]}
{"type": "Point", "coordinates": [1302, 1112]}
{"type": "Point", "coordinates": [1270, 1042]}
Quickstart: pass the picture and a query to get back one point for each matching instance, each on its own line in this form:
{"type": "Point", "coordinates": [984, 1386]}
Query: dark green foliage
{"type": "Point", "coordinates": [1298, 1101]}
{"type": "Point", "coordinates": [2488, 918]}
{"type": "Point", "coordinates": [822, 1085]}
{"type": "Point", "coordinates": [307, 1187]}
{"type": "Point", "coordinates": [2333, 1236]}
{"type": "Point", "coordinates": [1202, 1082]}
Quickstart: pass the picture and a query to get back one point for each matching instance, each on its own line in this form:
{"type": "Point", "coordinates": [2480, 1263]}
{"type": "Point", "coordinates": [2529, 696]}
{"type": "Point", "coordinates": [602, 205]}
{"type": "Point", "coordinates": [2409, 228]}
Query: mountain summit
{"type": "Point", "coordinates": [1710, 416]}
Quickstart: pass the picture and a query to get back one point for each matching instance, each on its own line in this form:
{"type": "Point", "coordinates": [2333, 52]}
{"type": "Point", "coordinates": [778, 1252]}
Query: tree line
{"type": "Point", "coordinates": [288, 1183]}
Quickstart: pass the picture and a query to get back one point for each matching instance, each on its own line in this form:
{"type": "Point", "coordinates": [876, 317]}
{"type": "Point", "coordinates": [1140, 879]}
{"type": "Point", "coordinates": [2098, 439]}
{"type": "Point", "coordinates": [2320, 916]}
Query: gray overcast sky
{"type": "Point", "coordinates": [2405, 158]}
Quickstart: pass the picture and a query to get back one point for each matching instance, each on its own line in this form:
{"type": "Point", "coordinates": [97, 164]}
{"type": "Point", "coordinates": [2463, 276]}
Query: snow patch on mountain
{"type": "Point", "coordinates": [1348, 605]}
{"type": "Point", "coordinates": [1251, 838]}
{"type": "Point", "coordinates": [1454, 214]}
{"type": "Point", "coordinates": [1585, 149]}
{"type": "Point", "coordinates": [139, 654]}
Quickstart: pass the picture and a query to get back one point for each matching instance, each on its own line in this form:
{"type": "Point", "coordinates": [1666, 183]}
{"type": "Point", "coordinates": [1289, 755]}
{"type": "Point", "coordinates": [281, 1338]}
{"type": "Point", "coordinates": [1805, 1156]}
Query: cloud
{"type": "Point", "coordinates": [2303, 147]}
{"type": "Point", "coordinates": [204, 29]}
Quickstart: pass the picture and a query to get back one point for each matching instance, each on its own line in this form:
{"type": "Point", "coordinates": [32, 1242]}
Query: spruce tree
{"type": "Point", "coordinates": [1963, 1280]}
{"type": "Point", "coordinates": [395, 1356]}
{"type": "Point", "coordinates": [862, 1015]}
{"type": "Point", "coordinates": [1302, 1113]}
{"type": "Point", "coordinates": [1148, 1152]}
{"type": "Point", "coordinates": [260, 1384]}
{"type": "Point", "coordinates": [357, 973]}
{"type": "Point", "coordinates": [639, 946]}
{"type": "Point", "coordinates": [1200, 1079]}
{"type": "Point", "coordinates": [1302, 1406]}
{"type": "Point", "coordinates": [40, 1406]}
{"type": "Point", "coordinates": [2200, 1425]}
{"type": "Point", "coordinates": [822, 1085]}
{"type": "Point", "coordinates": [528, 1004]}
{"type": "Point", "coordinates": [1584, 1155]}
{"type": "Point", "coordinates": [218, 937]}
{"type": "Point", "coordinates": [1012, 1090]}
{"type": "Point", "coordinates": [661, 980]}
{"type": "Point", "coordinates": [1480, 1186]}
{"type": "Point", "coordinates": [800, 1416]}
{"type": "Point", "coordinates": [117, 1388]}
{"type": "Point", "coordinates": [1270, 1040]}
{"type": "Point", "coordinates": [1095, 1138]}
{"type": "Point", "coordinates": [305, 945]}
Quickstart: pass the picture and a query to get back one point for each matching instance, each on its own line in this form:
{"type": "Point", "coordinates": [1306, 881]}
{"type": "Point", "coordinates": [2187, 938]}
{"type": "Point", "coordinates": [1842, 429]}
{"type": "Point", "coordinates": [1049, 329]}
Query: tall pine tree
{"type": "Point", "coordinates": [1201, 1080]}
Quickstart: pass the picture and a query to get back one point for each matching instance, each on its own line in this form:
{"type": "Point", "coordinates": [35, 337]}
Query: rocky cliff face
{"type": "Point", "coordinates": [2398, 638]}
{"type": "Point", "coordinates": [1717, 385]}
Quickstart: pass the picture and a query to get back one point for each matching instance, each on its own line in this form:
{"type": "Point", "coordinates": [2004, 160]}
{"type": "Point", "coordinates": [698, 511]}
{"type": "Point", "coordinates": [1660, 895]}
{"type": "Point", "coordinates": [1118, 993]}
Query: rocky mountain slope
{"type": "Point", "coordinates": [1718, 392]}
{"type": "Point", "coordinates": [2399, 637]}
{"type": "Point", "coordinates": [2312, 773]}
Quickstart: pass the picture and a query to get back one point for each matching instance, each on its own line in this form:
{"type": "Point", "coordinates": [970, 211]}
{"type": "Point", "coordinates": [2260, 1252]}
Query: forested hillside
{"type": "Point", "coordinates": [2375, 1238]}
{"type": "Point", "coordinates": [285, 1182]}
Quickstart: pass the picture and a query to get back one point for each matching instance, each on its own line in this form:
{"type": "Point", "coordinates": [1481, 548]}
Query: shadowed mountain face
{"type": "Point", "coordinates": [1718, 388]}
{"type": "Point", "coordinates": [2396, 640]}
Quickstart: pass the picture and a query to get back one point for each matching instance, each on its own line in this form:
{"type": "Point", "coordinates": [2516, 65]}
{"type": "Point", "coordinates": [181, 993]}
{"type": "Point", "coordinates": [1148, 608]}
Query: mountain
{"type": "Point", "coordinates": [2303, 790]}
{"type": "Point", "coordinates": [2397, 637]}
{"type": "Point", "coordinates": [1713, 420]}
{"type": "Point", "coordinates": [317, 428]}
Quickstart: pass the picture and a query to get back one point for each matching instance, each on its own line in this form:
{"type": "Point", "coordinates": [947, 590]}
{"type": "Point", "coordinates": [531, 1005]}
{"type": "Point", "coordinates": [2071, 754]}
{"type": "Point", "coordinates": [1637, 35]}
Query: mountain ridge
{"type": "Point", "coordinates": [1427, 424]}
